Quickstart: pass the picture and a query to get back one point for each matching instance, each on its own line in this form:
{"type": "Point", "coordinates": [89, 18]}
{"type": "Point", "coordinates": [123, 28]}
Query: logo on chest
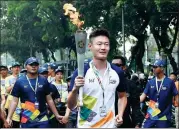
{"type": "Point", "coordinates": [164, 88]}
{"type": "Point", "coordinates": [40, 86]}
{"type": "Point", "coordinates": [152, 87]}
{"type": "Point", "coordinates": [112, 81]}
{"type": "Point", "coordinates": [91, 80]}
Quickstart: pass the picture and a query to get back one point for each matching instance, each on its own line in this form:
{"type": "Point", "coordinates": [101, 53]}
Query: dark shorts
{"type": "Point", "coordinates": [148, 123]}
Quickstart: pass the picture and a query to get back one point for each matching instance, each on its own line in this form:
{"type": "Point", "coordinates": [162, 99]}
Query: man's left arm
{"type": "Point", "coordinates": [122, 102]}
{"type": "Point", "coordinates": [122, 98]}
{"type": "Point", "coordinates": [53, 108]}
{"type": "Point", "coordinates": [50, 101]}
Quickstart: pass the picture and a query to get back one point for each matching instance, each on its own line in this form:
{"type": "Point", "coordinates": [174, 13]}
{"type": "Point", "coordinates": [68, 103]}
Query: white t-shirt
{"type": "Point", "coordinates": [62, 90]}
{"type": "Point", "coordinates": [89, 115]}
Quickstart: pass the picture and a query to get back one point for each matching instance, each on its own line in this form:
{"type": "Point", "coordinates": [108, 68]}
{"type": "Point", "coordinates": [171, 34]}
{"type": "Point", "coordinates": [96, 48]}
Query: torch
{"type": "Point", "coordinates": [80, 40]}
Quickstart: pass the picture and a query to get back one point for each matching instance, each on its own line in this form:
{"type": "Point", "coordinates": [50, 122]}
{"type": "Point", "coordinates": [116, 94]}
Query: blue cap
{"type": "Point", "coordinates": [159, 63]}
{"type": "Point", "coordinates": [42, 70]}
{"type": "Point", "coordinates": [58, 70]}
{"type": "Point", "coordinates": [46, 65]}
{"type": "Point", "coordinates": [15, 64]}
{"type": "Point", "coordinates": [31, 60]}
{"type": "Point", "coordinates": [53, 66]}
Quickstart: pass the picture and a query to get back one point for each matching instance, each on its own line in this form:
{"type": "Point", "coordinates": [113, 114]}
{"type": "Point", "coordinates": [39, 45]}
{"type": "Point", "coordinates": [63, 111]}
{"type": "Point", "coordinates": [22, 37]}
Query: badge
{"type": "Point", "coordinates": [103, 111]}
{"type": "Point", "coordinates": [157, 105]}
{"type": "Point", "coordinates": [164, 88]}
{"type": "Point", "coordinates": [18, 110]}
{"type": "Point", "coordinates": [36, 105]}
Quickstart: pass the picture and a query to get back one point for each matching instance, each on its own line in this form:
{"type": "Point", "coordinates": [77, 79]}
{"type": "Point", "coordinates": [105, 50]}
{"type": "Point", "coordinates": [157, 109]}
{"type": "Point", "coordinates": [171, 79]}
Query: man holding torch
{"type": "Point", "coordinates": [101, 80]}
{"type": "Point", "coordinates": [95, 83]}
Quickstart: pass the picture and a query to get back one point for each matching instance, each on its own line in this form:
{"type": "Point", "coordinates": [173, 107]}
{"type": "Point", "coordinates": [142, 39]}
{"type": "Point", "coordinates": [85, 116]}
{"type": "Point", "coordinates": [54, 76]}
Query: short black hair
{"type": "Point", "coordinates": [121, 58]}
{"type": "Point", "coordinates": [2, 67]}
{"type": "Point", "coordinates": [173, 73]}
{"type": "Point", "coordinates": [99, 32]}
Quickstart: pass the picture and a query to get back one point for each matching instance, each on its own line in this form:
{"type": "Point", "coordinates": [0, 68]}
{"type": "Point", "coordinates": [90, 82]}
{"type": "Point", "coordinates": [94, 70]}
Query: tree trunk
{"type": "Point", "coordinates": [140, 54]}
{"type": "Point", "coordinates": [137, 53]}
{"type": "Point", "coordinates": [45, 55]}
{"type": "Point", "coordinates": [172, 62]}
{"type": "Point", "coordinates": [53, 57]}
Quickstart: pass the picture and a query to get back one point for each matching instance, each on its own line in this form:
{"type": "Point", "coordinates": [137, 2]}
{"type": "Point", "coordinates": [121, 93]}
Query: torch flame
{"type": "Point", "coordinates": [73, 14]}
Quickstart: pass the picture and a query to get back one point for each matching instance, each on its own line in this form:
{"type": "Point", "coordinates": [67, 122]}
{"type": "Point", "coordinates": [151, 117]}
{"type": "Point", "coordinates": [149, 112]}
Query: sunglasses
{"type": "Point", "coordinates": [155, 67]}
{"type": "Point", "coordinates": [34, 64]}
{"type": "Point", "coordinates": [119, 65]}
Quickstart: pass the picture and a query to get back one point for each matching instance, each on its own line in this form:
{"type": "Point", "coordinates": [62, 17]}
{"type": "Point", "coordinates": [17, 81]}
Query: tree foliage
{"type": "Point", "coordinates": [40, 26]}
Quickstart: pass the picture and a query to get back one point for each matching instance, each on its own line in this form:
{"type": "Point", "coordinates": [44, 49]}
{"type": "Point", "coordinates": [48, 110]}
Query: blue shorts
{"type": "Point", "coordinates": [148, 123]}
{"type": "Point", "coordinates": [44, 124]}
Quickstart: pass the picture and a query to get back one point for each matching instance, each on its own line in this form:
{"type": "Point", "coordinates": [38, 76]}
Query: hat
{"type": "Point", "coordinates": [46, 65]}
{"type": "Point", "coordinates": [42, 70]}
{"type": "Point", "coordinates": [59, 70]}
{"type": "Point", "coordinates": [15, 64]}
{"type": "Point", "coordinates": [159, 63]}
{"type": "Point", "coordinates": [31, 60]}
{"type": "Point", "coordinates": [2, 67]}
{"type": "Point", "coordinates": [53, 66]}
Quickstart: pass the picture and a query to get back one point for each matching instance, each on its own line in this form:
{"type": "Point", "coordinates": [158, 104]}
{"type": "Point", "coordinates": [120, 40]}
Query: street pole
{"type": "Point", "coordinates": [124, 51]}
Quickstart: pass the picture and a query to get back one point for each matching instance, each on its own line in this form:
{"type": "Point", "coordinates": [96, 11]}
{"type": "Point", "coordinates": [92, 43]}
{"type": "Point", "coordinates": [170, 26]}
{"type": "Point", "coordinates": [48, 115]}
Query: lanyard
{"type": "Point", "coordinates": [99, 80]}
{"type": "Point", "coordinates": [35, 90]}
{"type": "Point", "coordinates": [159, 88]}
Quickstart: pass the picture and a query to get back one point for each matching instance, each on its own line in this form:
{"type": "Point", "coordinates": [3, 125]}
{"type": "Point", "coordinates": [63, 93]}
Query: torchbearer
{"type": "Point", "coordinates": [100, 82]}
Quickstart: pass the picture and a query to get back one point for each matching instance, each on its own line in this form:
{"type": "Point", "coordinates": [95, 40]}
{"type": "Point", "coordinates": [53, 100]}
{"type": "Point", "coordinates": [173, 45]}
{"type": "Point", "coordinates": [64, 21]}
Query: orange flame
{"type": "Point", "coordinates": [73, 14]}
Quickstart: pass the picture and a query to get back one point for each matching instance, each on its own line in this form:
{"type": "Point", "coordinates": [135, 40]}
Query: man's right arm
{"type": "Point", "coordinates": [75, 83]}
{"type": "Point", "coordinates": [145, 93]}
{"type": "Point", "coordinates": [72, 98]}
{"type": "Point", "coordinates": [142, 97]}
{"type": "Point", "coordinates": [12, 107]}
{"type": "Point", "coordinates": [16, 94]}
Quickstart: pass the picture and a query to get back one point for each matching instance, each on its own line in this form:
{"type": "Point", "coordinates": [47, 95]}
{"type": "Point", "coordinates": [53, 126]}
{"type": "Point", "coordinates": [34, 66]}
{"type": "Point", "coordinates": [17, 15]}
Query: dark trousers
{"type": "Point", "coordinates": [44, 124]}
{"type": "Point", "coordinates": [55, 124]}
{"type": "Point", "coordinates": [71, 124]}
{"type": "Point", "coordinates": [148, 123]}
{"type": "Point", "coordinates": [15, 124]}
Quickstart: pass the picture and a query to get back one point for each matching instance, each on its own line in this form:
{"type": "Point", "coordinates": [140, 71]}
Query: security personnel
{"type": "Point", "coordinates": [132, 115]}
{"type": "Point", "coordinates": [160, 92]}
{"type": "Point", "coordinates": [34, 92]}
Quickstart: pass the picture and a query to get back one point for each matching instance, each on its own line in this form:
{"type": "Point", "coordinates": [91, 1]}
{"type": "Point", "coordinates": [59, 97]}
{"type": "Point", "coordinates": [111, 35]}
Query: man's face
{"type": "Point", "coordinates": [157, 70]}
{"type": "Point", "coordinates": [59, 76]}
{"type": "Point", "coordinates": [173, 77]}
{"type": "Point", "coordinates": [32, 68]}
{"type": "Point", "coordinates": [100, 47]}
{"type": "Point", "coordinates": [119, 63]}
{"type": "Point", "coordinates": [4, 72]}
{"type": "Point", "coordinates": [15, 69]}
{"type": "Point", "coordinates": [50, 70]}
{"type": "Point", "coordinates": [44, 74]}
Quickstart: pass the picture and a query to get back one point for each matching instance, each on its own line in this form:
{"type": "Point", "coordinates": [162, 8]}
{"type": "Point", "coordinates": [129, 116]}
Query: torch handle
{"type": "Point", "coordinates": [81, 58]}
{"type": "Point", "coordinates": [81, 97]}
